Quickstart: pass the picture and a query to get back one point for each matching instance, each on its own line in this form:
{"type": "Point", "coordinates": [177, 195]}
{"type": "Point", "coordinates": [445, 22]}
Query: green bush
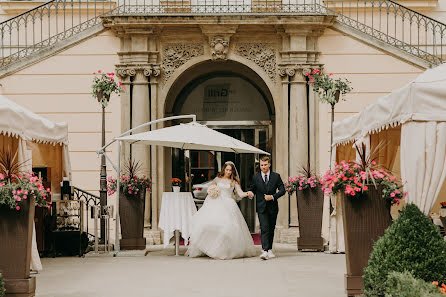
{"type": "Point", "coordinates": [2, 286]}
{"type": "Point", "coordinates": [405, 285]}
{"type": "Point", "coordinates": [412, 243]}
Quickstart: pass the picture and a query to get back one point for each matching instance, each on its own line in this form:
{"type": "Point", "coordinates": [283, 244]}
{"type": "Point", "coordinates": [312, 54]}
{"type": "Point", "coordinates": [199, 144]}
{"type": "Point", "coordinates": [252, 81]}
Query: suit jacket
{"type": "Point", "coordinates": [274, 187]}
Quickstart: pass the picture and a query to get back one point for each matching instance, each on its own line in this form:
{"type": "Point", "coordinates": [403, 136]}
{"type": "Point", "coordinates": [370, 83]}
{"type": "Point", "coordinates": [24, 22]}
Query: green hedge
{"type": "Point", "coordinates": [403, 284]}
{"type": "Point", "coordinates": [412, 243]}
{"type": "Point", "coordinates": [2, 286]}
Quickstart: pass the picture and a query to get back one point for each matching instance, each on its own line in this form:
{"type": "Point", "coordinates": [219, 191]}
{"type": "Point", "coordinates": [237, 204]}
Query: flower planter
{"type": "Point", "coordinates": [131, 214]}
{"type": "Point", "coordinates": [443, 216]}
{"type": "Point", "coordinates": [16, 229]}
{"type": "Point", "coordinates": [310, 203]}
{"type": "Point", "coordinates": [176, 189]}
{"type": "Point", "coordinates": [365, 220]}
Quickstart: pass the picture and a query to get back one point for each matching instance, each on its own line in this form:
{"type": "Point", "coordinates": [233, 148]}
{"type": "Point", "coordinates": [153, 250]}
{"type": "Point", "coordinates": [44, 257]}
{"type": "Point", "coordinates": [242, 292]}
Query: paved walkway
{"type": "Point", "coordinates": [161, 274]}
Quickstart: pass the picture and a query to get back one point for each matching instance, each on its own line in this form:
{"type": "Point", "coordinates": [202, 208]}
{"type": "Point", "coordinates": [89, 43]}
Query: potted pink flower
{"type": "Point", "coordinates": [133, 188]}
{"type": "Point", "coordinates": [310, 203]}
{"type": "Point", "coordinates": [366, 193]}
{"type": "Point", "coordinates": [19, 194]}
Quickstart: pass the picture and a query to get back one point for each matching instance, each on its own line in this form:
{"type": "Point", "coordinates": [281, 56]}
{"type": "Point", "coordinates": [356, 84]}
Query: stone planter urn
{"type": "Point", "coordinates": [16, 230]}
{"type": "Point", "coordinates": [365, 220]}
{"type": "Point", "coordinates": [131, 214]}
{"type": "Point", "coordinates": [443, 216]}
{"type": "Point", "coordinates": [310, 203]}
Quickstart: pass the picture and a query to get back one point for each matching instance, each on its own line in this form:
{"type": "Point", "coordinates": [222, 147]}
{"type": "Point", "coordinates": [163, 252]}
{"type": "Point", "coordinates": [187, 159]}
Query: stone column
{"type": "Point", "coordinates": [298, 144]}
{"type": "Point", "coordinates": [124, 75]}
{"type": "Point", "coordinates": [141, 115]}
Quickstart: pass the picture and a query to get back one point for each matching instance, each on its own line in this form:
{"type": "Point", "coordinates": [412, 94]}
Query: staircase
{"type": "Point", "coordinates": [57, 24]}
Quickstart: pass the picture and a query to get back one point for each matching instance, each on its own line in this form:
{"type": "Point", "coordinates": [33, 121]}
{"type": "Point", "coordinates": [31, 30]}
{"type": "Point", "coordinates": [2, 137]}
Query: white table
{"type": "Point", "coordinates": [176, 214]}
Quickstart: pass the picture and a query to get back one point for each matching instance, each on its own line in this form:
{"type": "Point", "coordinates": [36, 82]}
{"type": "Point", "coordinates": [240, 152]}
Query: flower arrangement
{"type": "Point", "coordinates": [443, 204]}
{"type": "Point", "coordinates": [16, 186]}
{"type": "Point", "coordinates": [353, 178]}
{"type": "Point", "coordinates": [176, 182]}
{"type": "Point", "coordinates": [213, 191]}
{"type": "Point", "coordinates": [131, 185]}
{"type": "Point", "coordinates": [105, 84]}
{"type": "Point", "coordinates": [307, 180]}
{"type": "Point", "coordinates": [326, 87]}
{"type": "Point", "coordinates": [442, 287]}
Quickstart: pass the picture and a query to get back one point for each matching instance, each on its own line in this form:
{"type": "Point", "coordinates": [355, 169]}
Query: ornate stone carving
{"type": "Point", "coordinates": [287, 71]}
{"type": "Point", "coordinates": [124, 70]}
{"type": "Point", "coordinates": [175, 55]}
{"type": "Point", "coordinates": [219, 47]}
{"type": "Point", "coordinates": [263, 54]}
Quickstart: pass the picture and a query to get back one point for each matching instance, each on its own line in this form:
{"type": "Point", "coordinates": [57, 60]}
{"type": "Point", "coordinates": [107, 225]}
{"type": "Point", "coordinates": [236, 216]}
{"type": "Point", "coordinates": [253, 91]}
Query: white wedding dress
{"type": "Point", "coordinates": [218, 229]}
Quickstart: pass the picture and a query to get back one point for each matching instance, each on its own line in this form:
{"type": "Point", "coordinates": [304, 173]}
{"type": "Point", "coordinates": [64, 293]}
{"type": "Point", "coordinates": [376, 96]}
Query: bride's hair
{"type": "Point", "coordinates": [234, 176]}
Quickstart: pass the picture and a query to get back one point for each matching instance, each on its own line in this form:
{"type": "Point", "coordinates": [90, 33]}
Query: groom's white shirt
{"type": "Point", "coordinates": [268, 173]}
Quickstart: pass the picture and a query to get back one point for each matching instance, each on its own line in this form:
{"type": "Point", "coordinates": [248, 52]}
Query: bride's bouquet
{"type": "Point", "coordinates": [213, 191]}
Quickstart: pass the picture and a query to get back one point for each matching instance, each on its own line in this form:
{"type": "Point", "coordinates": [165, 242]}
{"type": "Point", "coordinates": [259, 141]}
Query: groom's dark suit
{"type": "Point", "coordinates": [267, 210]}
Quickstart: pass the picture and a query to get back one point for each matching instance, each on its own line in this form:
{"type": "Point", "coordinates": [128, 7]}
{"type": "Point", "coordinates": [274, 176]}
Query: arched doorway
{"type": "Point", "coordinates": [231, 100]}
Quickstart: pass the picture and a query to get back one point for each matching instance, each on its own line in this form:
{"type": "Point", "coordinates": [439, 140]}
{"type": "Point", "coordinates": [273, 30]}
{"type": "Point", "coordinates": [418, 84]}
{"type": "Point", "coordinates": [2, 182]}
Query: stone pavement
{"type": "Point", "coordinates": [161, 274]}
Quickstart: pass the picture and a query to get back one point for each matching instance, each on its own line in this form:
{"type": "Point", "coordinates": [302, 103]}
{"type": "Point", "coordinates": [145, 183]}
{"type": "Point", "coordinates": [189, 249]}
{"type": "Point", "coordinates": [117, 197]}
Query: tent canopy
{"type": "Point", "coordinates": [16, 120]}
{"type": "Point", "coordinates": [192, 136]}
{"type": "Point", "coordinates": [423, 99]}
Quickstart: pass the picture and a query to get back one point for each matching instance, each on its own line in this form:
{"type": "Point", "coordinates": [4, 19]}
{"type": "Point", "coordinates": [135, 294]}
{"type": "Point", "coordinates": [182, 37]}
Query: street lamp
{"type": "Point", "coordinates": [103, 97]}
{"type": "Point", "coordinates": [103, 85]}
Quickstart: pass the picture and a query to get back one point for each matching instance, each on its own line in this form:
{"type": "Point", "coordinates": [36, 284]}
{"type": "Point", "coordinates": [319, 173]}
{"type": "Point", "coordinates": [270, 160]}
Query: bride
{"type": "Point", "coordinates": [218, 229]}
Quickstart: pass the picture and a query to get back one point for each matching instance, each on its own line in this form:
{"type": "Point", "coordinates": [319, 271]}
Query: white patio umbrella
{"type": "Point", "coordinates": [192, 136]}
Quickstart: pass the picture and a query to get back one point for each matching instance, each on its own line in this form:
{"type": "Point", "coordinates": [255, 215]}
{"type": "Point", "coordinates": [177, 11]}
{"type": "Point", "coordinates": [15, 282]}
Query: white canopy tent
{"type": "Point", "coordinates": [17, 121]}
{"type": "Point", "coordinates": [413, 120]}
{"type": "Point", "coordinates": [190, 136]}
{"type": "Point", "coordinates": [32, 135]}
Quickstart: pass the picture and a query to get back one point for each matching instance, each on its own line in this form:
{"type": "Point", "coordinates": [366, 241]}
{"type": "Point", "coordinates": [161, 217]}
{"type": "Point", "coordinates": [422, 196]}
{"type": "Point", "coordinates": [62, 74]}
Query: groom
{"type": "Point", "coordinates": [267, 186]}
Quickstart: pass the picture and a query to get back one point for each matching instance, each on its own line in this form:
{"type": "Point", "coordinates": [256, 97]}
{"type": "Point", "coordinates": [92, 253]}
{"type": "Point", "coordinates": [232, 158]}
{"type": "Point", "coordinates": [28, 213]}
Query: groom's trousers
{"type": "Point", "coordinates": [267, 220]}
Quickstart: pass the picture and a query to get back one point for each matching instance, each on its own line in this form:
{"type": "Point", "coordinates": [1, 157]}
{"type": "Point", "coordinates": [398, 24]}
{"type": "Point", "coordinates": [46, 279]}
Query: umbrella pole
{"type": "Point", "coordinates": [117, 200]}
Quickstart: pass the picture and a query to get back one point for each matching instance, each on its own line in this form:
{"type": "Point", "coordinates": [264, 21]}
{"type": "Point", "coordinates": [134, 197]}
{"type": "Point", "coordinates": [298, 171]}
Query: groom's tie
{"type": "Point", "coordinates": [266, 178]}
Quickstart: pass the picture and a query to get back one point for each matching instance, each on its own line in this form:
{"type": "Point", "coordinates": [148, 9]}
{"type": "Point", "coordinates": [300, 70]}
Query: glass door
{"type": "Point", "coordinates": [205, 165]}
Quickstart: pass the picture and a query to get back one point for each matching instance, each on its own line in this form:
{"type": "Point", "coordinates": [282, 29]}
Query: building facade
{"type": "Point", "coordinates": [240, 73]}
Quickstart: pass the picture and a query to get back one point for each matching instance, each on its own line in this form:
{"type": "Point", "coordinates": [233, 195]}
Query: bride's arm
{"type": "Point", "coordinates": [239, 191]}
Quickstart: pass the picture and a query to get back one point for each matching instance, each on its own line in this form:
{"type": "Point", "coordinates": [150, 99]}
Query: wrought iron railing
{"type": "Point", "coordinates": [384, 20]}
{"type": "Point", "coordinates": [394, 24]}
{"type": "Point", "coordinates": [89, 201]}
{"type": "Point", "coordinates": [47, 25]}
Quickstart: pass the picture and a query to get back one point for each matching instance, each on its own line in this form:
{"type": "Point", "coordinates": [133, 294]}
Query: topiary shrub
{"type": "Point", "coordinates": [403, 284]}
{"type": "Point", "coordinates": [412, 243]}
{"type": "Point", "coordinates": [2, 286]}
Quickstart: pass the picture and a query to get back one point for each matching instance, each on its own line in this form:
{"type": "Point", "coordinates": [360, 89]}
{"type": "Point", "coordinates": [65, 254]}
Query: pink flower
{"type": "Point", "coordinates": [315, 71]}
{"type": "Point", "coordinates": [392, 194]}
{"type": "Point", "coordinates": [330, 74]}
{"type": "Point", "coordinates": [17, 207]}
{"type": "Point", "coordinates": [99, 71]}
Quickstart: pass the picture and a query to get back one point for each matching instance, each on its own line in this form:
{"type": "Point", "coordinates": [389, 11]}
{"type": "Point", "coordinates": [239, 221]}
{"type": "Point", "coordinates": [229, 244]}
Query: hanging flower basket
{"type": "Point", "coordinates": [104, 84]}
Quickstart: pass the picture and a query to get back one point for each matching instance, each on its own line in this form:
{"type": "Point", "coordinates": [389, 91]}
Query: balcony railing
{"type": "Point", "coordinates": [384, 20]}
